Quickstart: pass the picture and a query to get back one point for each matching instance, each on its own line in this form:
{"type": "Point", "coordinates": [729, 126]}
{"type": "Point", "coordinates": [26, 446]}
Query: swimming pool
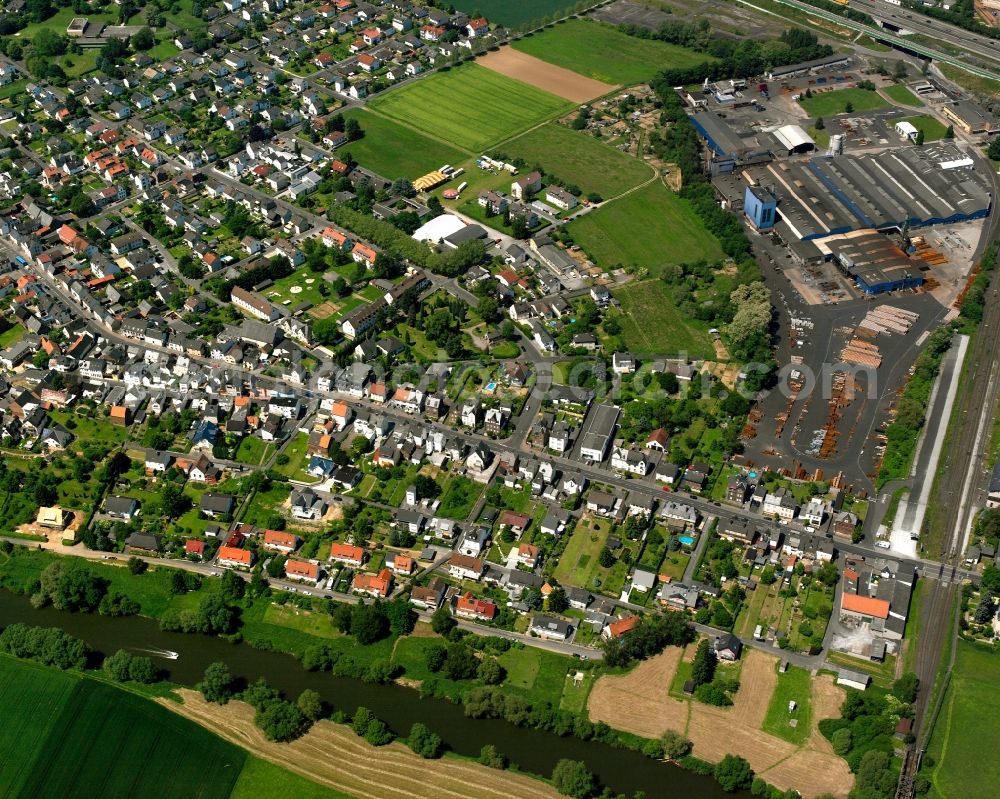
{"type": "Point", "coordinates": [686, 540]}
{"type": "Point", "coordinates": [491, 386]}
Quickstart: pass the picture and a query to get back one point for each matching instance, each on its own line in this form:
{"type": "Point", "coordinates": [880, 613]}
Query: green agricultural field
{"type": "Point", "coordinates": [653, 325]}
{"type": "Point", "coordinates": [470, 106]}
{"type": "Point", "coordinates": [825, 104]}
{"type": "Point", "coordinates": [967, 720]}
{"type": "Point", "coordinates": [110, 743]}
{"type": "Point", "coordinates": [397, 151]}
{"type": "Point", "coordinates": [261, 779]}
{"type": "Point", "coordinates": [793, 685]}
{"type": "Point", "coordinates": [31, 698]}
{"type": "Point", "coordinates": [515, 13]}
{"type": "Point", "coordinates": [650, 228]}
{"type": "Point", "coordinates": [933, 130]}
{"type": "Point", "coordinates": [578, 158]}
{"type": "Point", "coordinates": [604, 53]}
{"type": "Point", "coordinates": [901, 94]}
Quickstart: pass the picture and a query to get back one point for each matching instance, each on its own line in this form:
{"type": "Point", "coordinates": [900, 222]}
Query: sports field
{"type": "Point", "coordinates": [110, 743]}
{"type": "Point", "coordinates": [964, 768]}
{"type": "Point", "coordinates": [827, 104]}
{"type": "Point", "coordinates": [397, 151]}
{"type": "Point", "coordinates": [650, 228]}
{"type": "Point", "coordinates": [514, 13]}
{"type": "Point", "coordinates": [603, 53]}
{"type": "Point", "coordinates": [652, 324]}
{"type": "Point", "coordinates": [470, 106]}
{"type": "Point", "coordinates": [901, 94]}
{"type": "Point", "coordinates": [578, 158]}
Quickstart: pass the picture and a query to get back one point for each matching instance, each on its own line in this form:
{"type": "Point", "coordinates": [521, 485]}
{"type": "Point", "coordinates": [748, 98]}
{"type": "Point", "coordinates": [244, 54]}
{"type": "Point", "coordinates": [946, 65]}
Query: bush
{"type": "Point", "coordinates": [842, 740]}
{"type": "Point", "coordinates": [217, 684]}
{"type": "Point", "coordinates": [489, 756]}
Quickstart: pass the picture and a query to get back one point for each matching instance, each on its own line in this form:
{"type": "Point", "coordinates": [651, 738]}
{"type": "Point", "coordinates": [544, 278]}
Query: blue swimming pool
{"type": "Point", "coordinates": [686, 540]}
{"type": "Point", "coordinates": [491, 386]}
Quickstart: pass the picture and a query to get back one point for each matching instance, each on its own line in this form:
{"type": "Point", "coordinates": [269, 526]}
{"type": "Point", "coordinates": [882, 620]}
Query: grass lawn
{"type": "Point", "coordinates": [76, 65]}
{"type": "Point", "coordinates": [514, 13]}
{"type": "Point", "coordinates": [289, 616]}
{"type": "Point", "coordinates": [94, 749]}
{"type": "Point", "coordinates": [574, 697]}
{"type": "Point", "coordinates": [933, 130]}
{"type": "Point", "coordinates": [470, 106]}
{"type": "Point", "coordinates": [579, 158]}
{"type": "Point", "coordinates": [538, 674]}
{"type": "Point", "coordinates": [59, 21]}
{"type": "Point", "coordinates": [393, 150]}
{"type": "Point", "coordinates": [298, 456]}
{"type": "Point", "coordinates": [968, 720]}
{"type": "Point", "coordinates": [12, 90]}
{"type": "Point", "coordinates": [254, 450]}
{"type": "Point", "coordinates": [11, 335]}
{"type": "Point", "coordinates": [32, 696]}
{"type": "Point", "coordinates": [261, 779]}
{"type": "Point", "coordinates": [579, 560]}
{"type": "Point", "coordinates": [901, 94]}
{"type": "Point", "coordinates": [793, 685]}
{"type": "Point", "coordinates": [85, 428]}
{"type": "Point", "coordinates": [300, 286]}
{"type": "Point", "coordinates": [651, 228]}
{"type": "Point", "coordinates": [458, 498]}
{"type": "Point", "coordinates": [826, 104]}
{"type": "Point", "coordinates": [603, 53]}
{"type": "Point", "coordinates": [653, 325]}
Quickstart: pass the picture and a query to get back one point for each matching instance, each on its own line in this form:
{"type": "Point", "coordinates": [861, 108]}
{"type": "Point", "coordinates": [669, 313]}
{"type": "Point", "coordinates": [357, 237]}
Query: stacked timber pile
{"type": "Point", "coordinates": [888, 319]}
{"type": "Point", "coordinates": [863, 353]}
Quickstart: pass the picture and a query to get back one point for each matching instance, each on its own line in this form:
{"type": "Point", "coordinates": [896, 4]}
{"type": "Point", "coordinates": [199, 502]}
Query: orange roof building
{"type": "Point", "coordinates": [280, 541]}
{"type": "Point", "coordinates": [232, 556]}
{"type": "Point", "coordinates": [347, 553]}
{"type": "Point", "coordinates": [302, 570]}
{"type": "Point", "coordinates": [472, 607]}
{"type": "Point", "coordinates": [865, 606]}
{"type": "Point", "coordinates": [374, 584]}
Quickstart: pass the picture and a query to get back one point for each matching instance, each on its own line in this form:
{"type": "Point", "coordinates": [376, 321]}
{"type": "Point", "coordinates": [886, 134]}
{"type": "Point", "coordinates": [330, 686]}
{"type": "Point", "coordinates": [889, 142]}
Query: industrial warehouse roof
{"type": "Point", "coordinates": [825, 196]}
{"type": "Point", "coordinates": [794, 138]}
{"type": "Point", "coordinates": [875, 262]}
{"type": "Point", "coordinates": [719, 135]}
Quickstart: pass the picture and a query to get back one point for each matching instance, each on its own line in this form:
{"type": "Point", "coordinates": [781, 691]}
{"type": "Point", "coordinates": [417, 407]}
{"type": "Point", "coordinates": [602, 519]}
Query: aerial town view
{"type": "Point", "coordinates": [499, 398]}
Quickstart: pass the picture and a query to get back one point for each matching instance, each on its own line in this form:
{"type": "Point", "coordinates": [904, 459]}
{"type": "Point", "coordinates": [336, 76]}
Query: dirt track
{"type": "Point", "coordinates": [638, 702]}
{"type": "Point", "coordinates": [543, 75]}
{"type": "Point", "coordinates": [386, 772]}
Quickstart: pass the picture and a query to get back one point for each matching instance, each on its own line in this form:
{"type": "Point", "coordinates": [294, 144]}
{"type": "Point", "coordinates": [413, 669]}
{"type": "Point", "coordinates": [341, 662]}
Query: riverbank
{"type": "Point", "coordinates": [333, 756]}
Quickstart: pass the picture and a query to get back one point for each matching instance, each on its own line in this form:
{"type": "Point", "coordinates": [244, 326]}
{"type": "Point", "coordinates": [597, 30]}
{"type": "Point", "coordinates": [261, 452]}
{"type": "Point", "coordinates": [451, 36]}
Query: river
{"type": "Point", "coordinates": [536, 751]}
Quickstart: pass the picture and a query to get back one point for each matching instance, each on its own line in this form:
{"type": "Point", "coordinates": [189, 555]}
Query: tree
{"type": "Point", "coordinates": [117, 665]}
{"type": "Point", "coordinates": [950, 132]}
{"type": "Point", "coordinates": [491, 672]}
{"type": "Point", "coordinates": [849, 108]}
{"type": "Point", "coordinates": [606, 558]}
{"type": "Point", "coordinates": [118, 603]}
{"type": "Point", "coordinates": [352, 129]}
{"type": "Point", "coordinates": [233, 587]}
{"type": "Point", "coordinates": [442, 622]}
{"type": "Point", "coordinates": [571, 778]}
{"type": "Point", "coordinates": [215, 616]}
{"type": "Point", "coordinates": [280, 720]}
{"type": "Point", "coordinates": [70, 586]}
{"type": "Point", "coordinates": [369, 623]}
{"type": "Point", "coordinates": [424, 742]}
{"type": "Point", "coordinates": [173, 501]}
{"type": "Point", "coordinates": [675, 745]}
{"type": "Point", "coordinates": [733, 773]}
{"type": "Point", "coordinates": [81, 205]}
{"type": "Point", "coordinates": [906, 687]}
{"type": "Point", "coordinates": [141, 669]}
{"type": "Point", "coordinates": [461, 663]}
{"type": "Point", "coordinates": [143, 40]}
{"type": "Point", "coordinates": [842, 741]}
{"type": "Point", "coordinates": [217, 685]}
{"type": "Point", "coordinates": [137, 565]}
{"type": "Point", "coordinates": [900, 72]}
{"type": "Point", "coordinates": [820, 124]}
{"type": "Point", "coordinates": [310, 704]}
{"type": "Point", "coordinates": [703, 665]}
{"type": "Point", "coordinates": [920, 137]}
{"type": "Point", "coordinates": [557, 601]}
